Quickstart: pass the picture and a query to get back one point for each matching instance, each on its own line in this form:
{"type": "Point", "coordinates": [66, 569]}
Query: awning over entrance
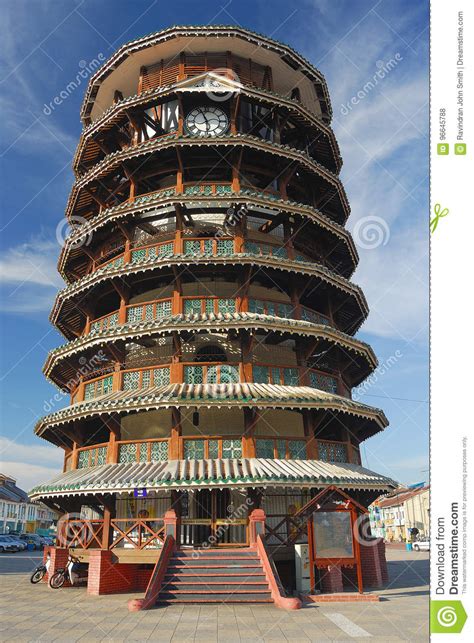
{"type": "Point", "coordinates": [199, 474]}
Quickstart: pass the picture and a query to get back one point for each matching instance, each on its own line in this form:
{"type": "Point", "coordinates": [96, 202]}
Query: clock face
{"type": "Point", "coordinates": [207, 121]}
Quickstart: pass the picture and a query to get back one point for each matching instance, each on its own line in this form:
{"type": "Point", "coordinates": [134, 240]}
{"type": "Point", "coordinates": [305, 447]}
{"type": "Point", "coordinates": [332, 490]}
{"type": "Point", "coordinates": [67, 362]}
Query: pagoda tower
{"type": "Point", "coordinates": [208, 311]}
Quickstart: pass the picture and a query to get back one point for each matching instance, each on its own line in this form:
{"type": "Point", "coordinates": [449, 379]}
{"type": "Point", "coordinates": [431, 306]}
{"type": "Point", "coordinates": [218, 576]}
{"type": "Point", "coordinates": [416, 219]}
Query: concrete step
{"type": "Point", "coordinates": [253, 576]}
{"type": "Point", "coordinates": [212, 586]}
{"type": "Point", "coordinates": [214, 597]}
{"type": "Point", "coordinates": [215, 553]}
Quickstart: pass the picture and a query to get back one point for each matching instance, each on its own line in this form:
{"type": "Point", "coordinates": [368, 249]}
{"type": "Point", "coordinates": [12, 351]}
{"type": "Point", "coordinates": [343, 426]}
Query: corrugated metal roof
{"type": "Point", "coordinates": [212, 395]}
{"type": "Point", "coordinates": [238, 472]}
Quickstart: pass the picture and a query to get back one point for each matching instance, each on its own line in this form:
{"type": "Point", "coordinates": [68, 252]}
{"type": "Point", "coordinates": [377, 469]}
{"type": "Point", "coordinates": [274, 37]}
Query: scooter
{"type": "Point", "coordinates": [40, 572]}
{"type": "Point", "coordinates": [75, 571]}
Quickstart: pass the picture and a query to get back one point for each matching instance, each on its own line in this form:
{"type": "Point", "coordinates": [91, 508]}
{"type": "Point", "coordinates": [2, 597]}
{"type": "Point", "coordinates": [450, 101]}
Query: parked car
{"type": "Point", "coordinates": [7, 545]}
{"type": "Point", "coordinates": [421, 545]}
{"type": "Point", "coordinates": [33, 539]}
{"type": "Point", "coordinates": [21, 545]}
{"type": "Point", "coordinates": [48, 540]}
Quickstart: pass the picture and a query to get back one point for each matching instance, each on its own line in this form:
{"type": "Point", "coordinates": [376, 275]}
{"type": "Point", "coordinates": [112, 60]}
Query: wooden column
{"type": "Point", "coordinates": [176, 367]}
{"type": "Point", "coordinates": [113, 424]}
{"type": "Point", "coordinates": [246, 343]}
{"type": "Point", "coordinates": [311, 444]}
{"type": "Point", "coordinates": [248, 438]}
{"type": "Point", "coordinates": [109, 514]}
{"type": "Point", "coordinates": [175, 435]}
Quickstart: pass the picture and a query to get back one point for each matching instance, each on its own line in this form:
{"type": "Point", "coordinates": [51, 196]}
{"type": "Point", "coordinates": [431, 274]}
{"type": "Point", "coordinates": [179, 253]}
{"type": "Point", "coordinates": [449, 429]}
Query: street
{"type": "Point", "coordinates": [37, 613]}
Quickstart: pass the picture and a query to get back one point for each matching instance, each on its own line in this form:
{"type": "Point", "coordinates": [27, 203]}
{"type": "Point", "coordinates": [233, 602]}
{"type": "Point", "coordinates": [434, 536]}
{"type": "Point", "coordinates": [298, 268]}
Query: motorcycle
{"type": "Point", "coordinates": [75, 571]}
{"type": "Point", "coordinates": [40, 571]}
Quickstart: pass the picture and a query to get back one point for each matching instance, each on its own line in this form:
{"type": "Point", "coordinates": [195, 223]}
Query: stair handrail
{"type": "Point", "coordinates": [156, 578]}
{"type": "Point", "coordinates": [273, 578]}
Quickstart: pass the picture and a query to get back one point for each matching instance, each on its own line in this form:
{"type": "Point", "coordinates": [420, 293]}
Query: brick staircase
{"type": "Point", "coordinates": [214, 576]}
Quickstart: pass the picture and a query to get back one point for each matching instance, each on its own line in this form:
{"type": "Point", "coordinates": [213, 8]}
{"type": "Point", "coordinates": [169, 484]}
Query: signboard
{"type": "Point", "coordinates": [140, 493]}
{"type": "Point", "coordinates": [333, 534]}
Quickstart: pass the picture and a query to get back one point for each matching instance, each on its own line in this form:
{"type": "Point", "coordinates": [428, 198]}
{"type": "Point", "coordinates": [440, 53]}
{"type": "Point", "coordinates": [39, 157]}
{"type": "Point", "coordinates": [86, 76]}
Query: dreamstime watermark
{"type": "Point", "coordinates": [86, 69]}
{"type": "Point", "coordinates": [371, 232]}
{"type": "Point", "coordinates": [67, 228]}
{"type": "Point", "coordinates": [216, 87]}
{"type": "Point", "coordinates": [86, 367]}
{"type": "Point", "coordinates": [234, 216]}
{"type": "Point", "coordinates": [379, 372]}
{"type": "Point", "coordinates": [383, 69]}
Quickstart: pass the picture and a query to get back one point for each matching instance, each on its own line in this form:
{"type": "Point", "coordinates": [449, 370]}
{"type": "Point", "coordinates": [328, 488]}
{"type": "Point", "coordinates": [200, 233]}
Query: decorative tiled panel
{"type": "Point", "coordinates": [323, 382]}
{"type": "Point", "coordinates": [83, 459]}
{"type": "Point", "coordinates": [159, 451]}
{"type": "Point", "coordinates": [264, 448]}
{"type": "Point", "coordinates": [297, 449]}
{"type": "Point", "coordinates": [161, 376]}
{"type": "Point", "coordinates": [127, 453]}
{"type": "Point", "coordinates": [231, 449]}
{"type": "Point", "coordinates": [225, 247]}
{"type": "Point", "coordinates": [131, 380]}
{"type": "Point", "coordinates": [193, 374]}
{"type": "Point", "coordinates": [290, 376]}
{"type": "Point", "coordinates": [332, 452]}
{"type": "Point", "coordinates": [194, 449]}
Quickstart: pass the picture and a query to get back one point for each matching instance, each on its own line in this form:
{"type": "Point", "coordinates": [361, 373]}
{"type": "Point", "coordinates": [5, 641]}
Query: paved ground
{"type": "Point", "coordinates": [36, 613]}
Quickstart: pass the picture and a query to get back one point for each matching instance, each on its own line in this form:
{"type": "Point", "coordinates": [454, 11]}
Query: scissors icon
{"type": "Point", "coordinates": [438, 215]}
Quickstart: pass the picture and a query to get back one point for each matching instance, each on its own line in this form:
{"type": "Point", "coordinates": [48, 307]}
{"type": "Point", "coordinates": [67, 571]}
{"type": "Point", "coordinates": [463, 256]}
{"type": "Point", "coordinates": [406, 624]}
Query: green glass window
{"type": "Point", "coordinates": [101, 455]}
{"type": "Point", "coordinates": [192, 306]}
{"type": "Point", "coordinates": [83, 459]}
{"type": "Point", "coordinates": [213, 448]}
{"type": "Point", "coordinates": [159, 451]}
{"type": "Point", "coordinates": [281, 449]}
{"type": "Point", "coordinates": [193, 375]}
{"type": "Point", "coordinates": [166, 250]}
{"type": "Point", "coordinates": [131, 380]}
{"type": "Point", "coordinates": [232, 448]}
{"type": "Point", "coordinates": [163, 309]}
{"type": "Point", "coordinates": [192, 247]}
{"type": "Point", "coordinates": [134, 314]}
{"type": "Point", "coordinates": [226, 305]}
{"type": "Point", "coordinates": [225, 247]}
{"type": "Point", "coordinates": [143, 452]}
{"type": "Point", "coordinates": [138, 255]}
{"type": "Point", "coordinates": [161, 376]}
{"type": "Point", "coordinates": [290, 376]}
{"type": "Point", "coordinates": [264, 448]}
{"type": "Point", "coordinates": [127, 453]}
{"type": "Point", "coordinates": [194, 449]}
{"type": "Point", "coordinates": [260, 374]}
{"type": "Point", "coordinates": [297, 449]}
{"type": "Point", "coordinates": [323, 382]}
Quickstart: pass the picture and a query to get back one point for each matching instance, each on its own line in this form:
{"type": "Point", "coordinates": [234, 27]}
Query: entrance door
{"type": "Point", "coordinates": [210, 523]}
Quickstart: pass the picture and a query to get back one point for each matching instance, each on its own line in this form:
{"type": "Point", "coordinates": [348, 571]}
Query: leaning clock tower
{"type": "Point", "coordinates": [208, 312]}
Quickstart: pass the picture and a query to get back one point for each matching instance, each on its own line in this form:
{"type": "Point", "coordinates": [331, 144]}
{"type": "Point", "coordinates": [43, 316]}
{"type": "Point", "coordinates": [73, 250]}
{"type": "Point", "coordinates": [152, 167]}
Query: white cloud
{"type": "Point", "coordinates": [21, 462]}
{"type": "Point", "coordinates": [28, 274]}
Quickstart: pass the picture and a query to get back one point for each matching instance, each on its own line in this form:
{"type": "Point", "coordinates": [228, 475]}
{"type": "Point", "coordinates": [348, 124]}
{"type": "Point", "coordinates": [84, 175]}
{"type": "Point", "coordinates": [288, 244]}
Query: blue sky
{"type": "Point", "coordinates": [384, 144]}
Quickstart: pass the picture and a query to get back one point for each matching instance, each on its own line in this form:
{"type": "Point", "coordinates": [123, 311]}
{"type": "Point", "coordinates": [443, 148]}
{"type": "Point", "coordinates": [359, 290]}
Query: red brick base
{"type": "Point", "coordinates": [331, 579]}
{"type": "Point", "coordinates": [109, 577]}
{"type": "Point", "coordinates": [58, 559]}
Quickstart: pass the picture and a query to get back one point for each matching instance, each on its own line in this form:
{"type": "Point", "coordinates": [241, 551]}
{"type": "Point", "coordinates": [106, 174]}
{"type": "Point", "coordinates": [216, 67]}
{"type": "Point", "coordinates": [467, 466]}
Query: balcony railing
{"type": "Point", "coordinates": [208, 246]}
{"type": "Point", "coordinates": [197, 305]}
{"type": "Point", "coordinates": [210, 447]}
{"type": "Point", "coordinates": [205, 373]}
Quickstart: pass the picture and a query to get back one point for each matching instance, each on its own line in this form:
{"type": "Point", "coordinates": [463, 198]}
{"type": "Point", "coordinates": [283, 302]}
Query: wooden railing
{"type": "Point", "coordinates": [191, 246]}
{"type": "Point", "coordinates": [136, 379]}
{"type": "Point", "coordinates": [199, 447]}
{"type": "Point", "coordinates": [163, 308]}
{"type": "Point", "coordinates": [124, 532]}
